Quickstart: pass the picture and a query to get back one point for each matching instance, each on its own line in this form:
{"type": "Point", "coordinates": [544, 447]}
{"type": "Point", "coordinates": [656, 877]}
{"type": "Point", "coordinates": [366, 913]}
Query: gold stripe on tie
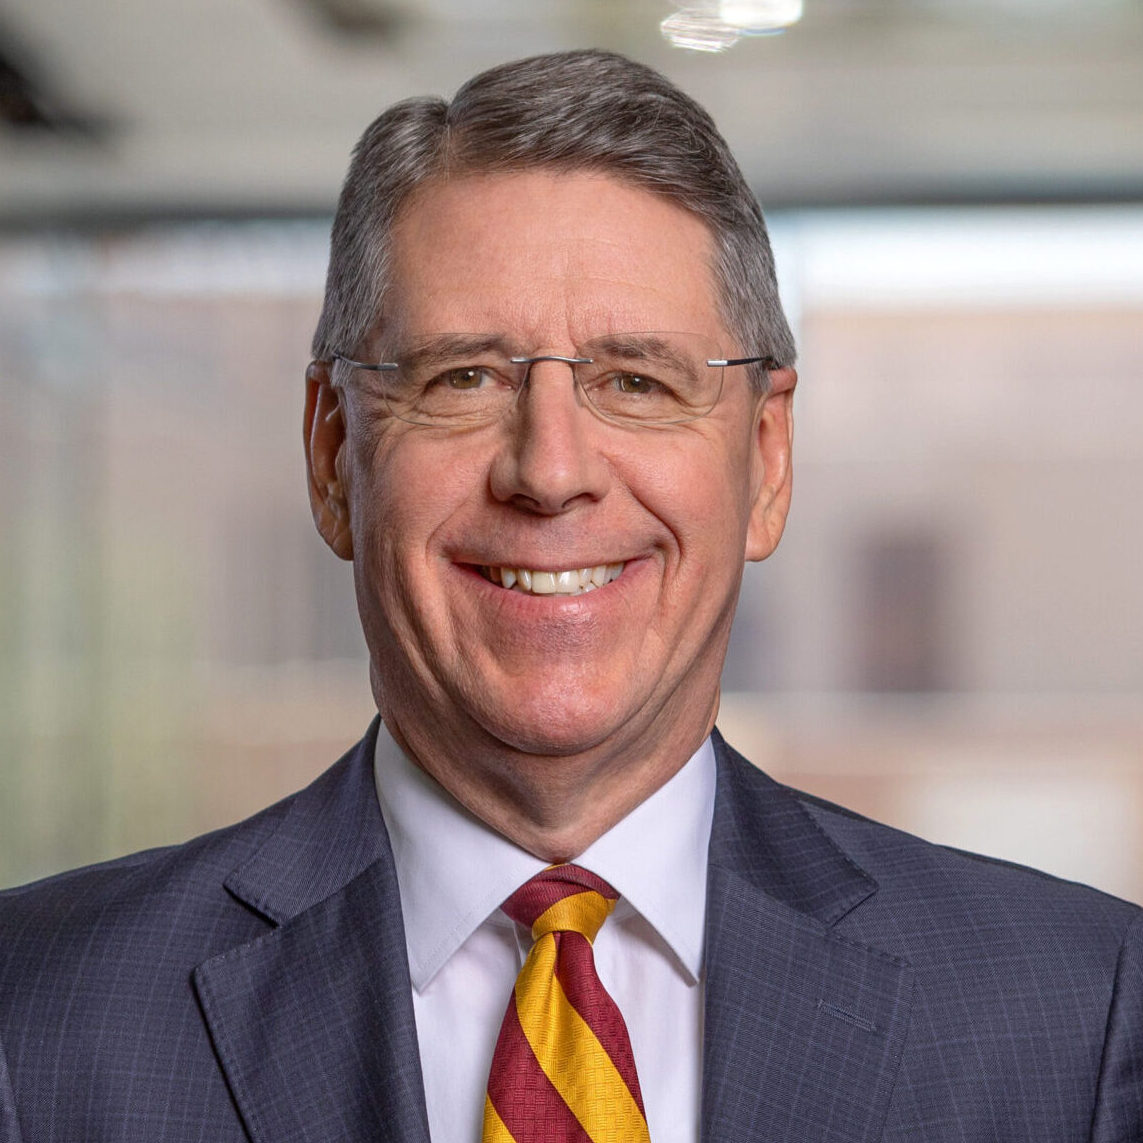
{"type": "Point", "coordinates": [494, 1129]}
{"type": "Point", "coordinates": [571, 1055]}
{"type": "Point", "coordinates": [583, 913]}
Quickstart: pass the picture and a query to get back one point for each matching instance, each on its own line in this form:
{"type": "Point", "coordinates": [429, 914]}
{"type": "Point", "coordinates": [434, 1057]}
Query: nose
{"type": "Point", "coordinates": [550, 459]}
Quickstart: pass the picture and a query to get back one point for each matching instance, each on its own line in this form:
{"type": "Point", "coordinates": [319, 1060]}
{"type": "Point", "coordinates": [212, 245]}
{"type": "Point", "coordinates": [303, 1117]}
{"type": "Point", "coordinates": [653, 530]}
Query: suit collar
{"type": "Point", "coordinates": [328, 833]}
{"type": "Point", "coordinates": [313, 1021]}
{"type": "Point", "coordinates": [764, 834]}
{"type": "Point", "coordinates": [804, 1027]}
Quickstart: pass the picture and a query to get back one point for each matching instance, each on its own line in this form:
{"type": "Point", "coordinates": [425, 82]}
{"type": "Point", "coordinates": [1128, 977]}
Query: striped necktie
{"type": "Point", "coordinates": [563, 1068]}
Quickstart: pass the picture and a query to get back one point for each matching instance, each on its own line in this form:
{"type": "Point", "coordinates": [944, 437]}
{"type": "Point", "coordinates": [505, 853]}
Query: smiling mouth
{"type": "Point", "coordinates": [575, 581]}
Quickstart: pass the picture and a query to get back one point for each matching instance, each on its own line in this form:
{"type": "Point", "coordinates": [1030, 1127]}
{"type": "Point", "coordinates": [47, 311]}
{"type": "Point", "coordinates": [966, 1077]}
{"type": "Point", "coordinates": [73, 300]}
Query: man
{"type": "Point", "coordinates": [547, 515]}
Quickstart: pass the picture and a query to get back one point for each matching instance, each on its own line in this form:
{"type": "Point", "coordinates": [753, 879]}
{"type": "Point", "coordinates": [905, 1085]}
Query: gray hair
{"type": "Point", "coordinates": [582, 110]}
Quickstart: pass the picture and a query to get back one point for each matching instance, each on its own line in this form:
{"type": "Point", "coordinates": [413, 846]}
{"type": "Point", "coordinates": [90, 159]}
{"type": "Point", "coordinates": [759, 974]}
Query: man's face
{"type": "Point", "coordinates": [548, 260]}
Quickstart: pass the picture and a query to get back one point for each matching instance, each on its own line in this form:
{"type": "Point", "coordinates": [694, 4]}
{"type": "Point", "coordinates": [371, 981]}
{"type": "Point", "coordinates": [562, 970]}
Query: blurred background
{"type": "Point", "coordinates": [951, 636]}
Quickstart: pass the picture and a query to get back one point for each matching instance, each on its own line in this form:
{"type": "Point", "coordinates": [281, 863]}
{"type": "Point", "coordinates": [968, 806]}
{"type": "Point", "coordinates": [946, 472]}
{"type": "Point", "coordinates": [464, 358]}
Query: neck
{"type": "Point", "coordinates": [554, 805]}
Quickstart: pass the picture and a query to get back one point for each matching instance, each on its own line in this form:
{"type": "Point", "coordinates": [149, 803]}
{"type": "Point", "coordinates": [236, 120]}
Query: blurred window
{"type": "Point", "coordinates": [177, 646]}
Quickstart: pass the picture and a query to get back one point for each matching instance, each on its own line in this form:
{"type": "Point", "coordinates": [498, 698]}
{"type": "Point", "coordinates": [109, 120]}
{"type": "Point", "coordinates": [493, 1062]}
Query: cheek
{"type": "Point", "coordinates": [407, 487]}
{"type": "Point", "coordinates": [702, 494]}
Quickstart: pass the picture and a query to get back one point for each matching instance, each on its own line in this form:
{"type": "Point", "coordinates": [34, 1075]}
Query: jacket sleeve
{"type": "Point", "coordinates": [1118, 1115]}
{"type": "Point", "coordinates": [9, 1128]}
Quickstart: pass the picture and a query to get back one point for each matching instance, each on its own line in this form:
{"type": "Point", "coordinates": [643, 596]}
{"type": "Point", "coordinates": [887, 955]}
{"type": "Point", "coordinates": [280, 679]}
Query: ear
{"type": "Point", "coordinates": [772, 474]}
{"type": "Point", "coordinates": [325, 441]}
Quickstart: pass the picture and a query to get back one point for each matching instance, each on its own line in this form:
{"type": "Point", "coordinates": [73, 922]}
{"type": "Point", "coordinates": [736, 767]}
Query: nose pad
{"type": "Point", "coordinates": [528, 362]}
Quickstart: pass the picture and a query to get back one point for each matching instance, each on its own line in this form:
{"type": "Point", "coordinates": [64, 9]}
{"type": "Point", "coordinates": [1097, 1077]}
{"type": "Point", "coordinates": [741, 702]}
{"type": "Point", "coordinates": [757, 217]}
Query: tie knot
{"type": "Point", "coordinates": [562, 898]}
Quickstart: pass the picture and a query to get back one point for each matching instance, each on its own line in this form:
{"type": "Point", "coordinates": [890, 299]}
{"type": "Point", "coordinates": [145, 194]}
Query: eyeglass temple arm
{"type": "Point", "coordinates": [770, 362]}
{"type": "Point", "coordinates": [376, 367]}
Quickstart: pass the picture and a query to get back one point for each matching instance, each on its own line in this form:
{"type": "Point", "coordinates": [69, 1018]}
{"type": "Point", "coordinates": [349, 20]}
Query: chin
{"type": "Point", "coordinates": [547, 741]}
{"type": "Point", "coordinates": [557, 728]}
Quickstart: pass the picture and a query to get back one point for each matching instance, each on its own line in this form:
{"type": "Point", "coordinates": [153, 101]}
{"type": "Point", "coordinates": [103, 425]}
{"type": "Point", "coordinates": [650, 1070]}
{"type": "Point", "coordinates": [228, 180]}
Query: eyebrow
{"type": "Point", "coordinates": [446, 346]}
{"type": "Point", "coordinates": [642, 347]}
{"type": "Point", "coordinates": [462, 346]}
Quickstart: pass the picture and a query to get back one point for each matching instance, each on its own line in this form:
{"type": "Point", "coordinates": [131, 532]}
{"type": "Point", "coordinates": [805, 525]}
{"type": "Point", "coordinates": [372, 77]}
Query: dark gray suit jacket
{"type": "Point", "coordinates": [860, 985]}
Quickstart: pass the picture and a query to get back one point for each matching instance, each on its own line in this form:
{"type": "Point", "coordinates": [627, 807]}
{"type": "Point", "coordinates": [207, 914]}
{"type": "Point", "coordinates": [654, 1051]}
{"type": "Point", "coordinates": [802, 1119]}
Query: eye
{"type": "Point", "coordinates": [466, 377]}
{"type": "Point", "coordinates": [636, 384]}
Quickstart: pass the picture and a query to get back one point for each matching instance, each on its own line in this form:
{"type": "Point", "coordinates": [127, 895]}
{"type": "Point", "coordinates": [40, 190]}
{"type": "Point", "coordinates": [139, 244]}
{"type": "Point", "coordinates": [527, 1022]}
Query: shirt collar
{"type": "Point", "coordinates": [454, 871]}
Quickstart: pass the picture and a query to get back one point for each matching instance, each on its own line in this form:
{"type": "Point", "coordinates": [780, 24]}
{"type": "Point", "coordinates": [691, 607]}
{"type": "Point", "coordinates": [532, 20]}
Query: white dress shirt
{"type": "Point", "coordinates": [464, 953]}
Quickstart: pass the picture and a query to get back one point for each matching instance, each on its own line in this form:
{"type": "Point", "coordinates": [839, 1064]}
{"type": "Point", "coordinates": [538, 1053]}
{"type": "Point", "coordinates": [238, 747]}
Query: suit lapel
{"type": "Point", "coordinates": [313, 1021]}
{"type": "Point", "coordinates": [804, 1028]}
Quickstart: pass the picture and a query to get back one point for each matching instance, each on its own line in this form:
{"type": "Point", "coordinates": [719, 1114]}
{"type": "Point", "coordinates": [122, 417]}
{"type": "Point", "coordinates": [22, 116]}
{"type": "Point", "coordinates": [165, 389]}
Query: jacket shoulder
{"type": "Point", "coordinates": [928, 903]}
{"type": "Point", "coordinates": [111, 908]}
{"type": "Point", "coordinates": [184, 888]}
{"type": "Point", "coordinates": [908, 867]}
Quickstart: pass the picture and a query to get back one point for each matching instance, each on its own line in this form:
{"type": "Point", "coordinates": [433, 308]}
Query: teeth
{"type": "Point", "coordinates": [575, 581]}
{"type": "Point", "coordinates": [543, 583]}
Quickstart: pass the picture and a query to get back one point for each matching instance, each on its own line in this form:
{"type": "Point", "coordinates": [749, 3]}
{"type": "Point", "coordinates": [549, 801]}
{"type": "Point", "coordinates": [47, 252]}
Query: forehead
{"type": "Point", "coordinates": [549, 255]}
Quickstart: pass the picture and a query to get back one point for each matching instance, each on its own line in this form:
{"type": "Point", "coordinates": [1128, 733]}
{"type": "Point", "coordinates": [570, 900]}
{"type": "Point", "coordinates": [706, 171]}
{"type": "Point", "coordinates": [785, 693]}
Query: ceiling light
{"type": "Point", "coordinates": [698, 30]}
{"type": "Point", "coordinates": [759, 17]}
{"type": "Point", "coordinates": [715, 25]}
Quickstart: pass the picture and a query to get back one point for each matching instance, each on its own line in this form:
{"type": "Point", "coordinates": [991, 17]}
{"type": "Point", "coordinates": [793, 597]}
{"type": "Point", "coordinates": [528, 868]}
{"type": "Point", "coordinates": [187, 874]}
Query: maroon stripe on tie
{"type": "Point", "coordinates": [552, 885]}
{"type": "Point", "coordinates": [575, 970]}
{"type": "Point", "coordinates": [524, 1097]}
